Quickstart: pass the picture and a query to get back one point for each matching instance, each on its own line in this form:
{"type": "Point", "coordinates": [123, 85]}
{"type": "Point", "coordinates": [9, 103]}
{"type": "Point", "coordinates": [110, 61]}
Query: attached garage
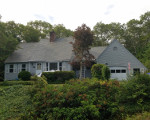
{"type": "Point", "coordinates": [119, 73]}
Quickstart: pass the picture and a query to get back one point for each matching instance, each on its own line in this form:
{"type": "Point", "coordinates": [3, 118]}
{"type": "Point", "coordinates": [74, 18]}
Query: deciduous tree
{"type": "Point", "coordinates": [83, 37]}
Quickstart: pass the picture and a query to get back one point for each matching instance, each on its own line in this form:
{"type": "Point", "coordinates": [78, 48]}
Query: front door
{"type": "Point", "coordinates": [38, 68]}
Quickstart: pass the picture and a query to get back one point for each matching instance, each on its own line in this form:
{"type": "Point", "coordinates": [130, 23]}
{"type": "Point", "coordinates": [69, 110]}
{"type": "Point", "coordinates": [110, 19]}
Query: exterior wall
{"type": "Point", "coordinates": [116, 55]}
{"type": "Point", "coordinates": [66, 66]}
{"type": "Point", "coordinates": [32, 68]}
{"type": "Point", "coordinates": [14, 75]}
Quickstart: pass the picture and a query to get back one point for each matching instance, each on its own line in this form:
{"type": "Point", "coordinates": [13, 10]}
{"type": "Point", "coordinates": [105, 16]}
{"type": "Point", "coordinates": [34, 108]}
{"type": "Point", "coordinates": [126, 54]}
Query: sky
{"type": "Point", "coordinates": [73, 13]}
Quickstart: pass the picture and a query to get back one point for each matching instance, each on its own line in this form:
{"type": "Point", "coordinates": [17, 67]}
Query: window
{"type": "Point", "coordinates": [112, 71]}
{"type": "Point", "coordinates": [118, 71]}
{"type": "Point", "coordinates": [123, 71]}
{"type": "Point", "coordinates": [53, 66]}
{"type": "Point", "coordinates": [23, 67]}
{"type": "Point", "coordinates": [60, 66]}
{"type": "Point", "coordinates": [11, 68]}
{"type": "Point", "coordinates": [38, 66]}
{"type": "Point", "coordinates": [46, 66]}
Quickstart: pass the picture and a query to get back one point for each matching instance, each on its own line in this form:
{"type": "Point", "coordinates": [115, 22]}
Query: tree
{"type": "Point", "coordinates": [83, 37]}
{"type": "Point", "coordinates": [42, 26]}
{"type": "Point", "coordinates": [61, 31]}
{"type": "Point", "coordinates": [7, 45]}
{"type": "Point", "coordinates": [105, 32]}
{"type": "Point", "coordinates": [31, 35]}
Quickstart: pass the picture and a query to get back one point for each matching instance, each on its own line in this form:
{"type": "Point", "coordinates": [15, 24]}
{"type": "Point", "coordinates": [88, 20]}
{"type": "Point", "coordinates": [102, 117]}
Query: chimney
{"type": "Point", "coordinates": [52, 36]}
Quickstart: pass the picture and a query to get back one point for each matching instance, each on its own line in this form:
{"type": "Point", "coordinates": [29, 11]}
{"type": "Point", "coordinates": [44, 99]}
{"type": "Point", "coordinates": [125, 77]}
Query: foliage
{"type": "Point", "coordinates": [61, 31]}
{"type": "Point", "coordinates": [14, 102]}
{"type": "Point", "coordinates": [83, 40]}
{"type": "Point", "coordinates": [105, 32]}
{"type": "Point", "coordinates": [42, 26]}
{"type": "Point", "coordinates": [7, 45]}
{"type": "Point", "coordinates": [24, 75]}
{"type": "Point", "coordinates": [14, 82]}
{"type": "Point", "coordinates": [31, 34]}
{"type": "Point", "coordinates": [100, 71]}
{"type": "Point", "coordinates": [105, 73]}
{"type": "Point", "coordinates": [142, 116]}
{"type": "Point", "coordinates": [78, 100]}
{"type": "Point", "coordinates": [135, 94]}
{"type": "Point", "coordinates": [59, 76]}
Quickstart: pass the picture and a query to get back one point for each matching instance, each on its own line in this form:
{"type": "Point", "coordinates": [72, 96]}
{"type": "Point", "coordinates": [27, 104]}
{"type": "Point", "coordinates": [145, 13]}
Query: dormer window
{"type": "Point", "coordinates": [115, 48]}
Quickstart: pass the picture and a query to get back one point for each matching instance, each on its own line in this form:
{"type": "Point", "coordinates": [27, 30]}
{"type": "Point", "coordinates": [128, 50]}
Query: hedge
{"type": "Point", "coordinates": [14, 82]}
{"type": "Point", "coordinates": [59, 76]}
{"type": "Point", "coordinates": [24, 75]}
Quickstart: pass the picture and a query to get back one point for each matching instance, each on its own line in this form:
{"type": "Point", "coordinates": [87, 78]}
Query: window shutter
{"type": "Point", "coordinates": [15, 68]}
{"type": "Point", "coordinates": [7, 68]}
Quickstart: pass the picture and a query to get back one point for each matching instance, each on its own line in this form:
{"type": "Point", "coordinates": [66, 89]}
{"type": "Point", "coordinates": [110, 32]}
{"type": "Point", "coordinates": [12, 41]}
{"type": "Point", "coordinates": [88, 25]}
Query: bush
{"type": "Point", "coordinates": [59, 76]}
{"type": "Point", "coordinates": [13, 82]}
{"type": "Point", "coordinates": [78, 100]}
{"type": "Point", "coordinates": [135, 94]}
{"type": "Point", "coordinates": [24, 75]}
{"type": "Point", "coordinates": [105, 73]}
{"type": "Point", "coordinates": [100, 71]}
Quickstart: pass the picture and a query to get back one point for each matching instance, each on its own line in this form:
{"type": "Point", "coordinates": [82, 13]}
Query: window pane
{"type": "Point", "coordinates": [11, 66]}
{"type": "Point", "coordinates": [11, 70]}
{"type": "Point", "coordinates": [112, 71]}
{"type": "Point", "coordinates": [117, 71]}
{"type": "Point", "coordinates": [23, 67]}
{"type": "Point", "coordinates": [123, 71]}
{"type": "Point", "coordinates": [60, 66]}
{"type": "Point", "coordinates": [53, 66]}
{"type": "Point", "coordinates": [38, 66]}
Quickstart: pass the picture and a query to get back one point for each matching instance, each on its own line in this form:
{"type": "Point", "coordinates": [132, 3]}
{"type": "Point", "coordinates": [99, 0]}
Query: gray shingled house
{"type": "Point", "coordinates": [56, 54]}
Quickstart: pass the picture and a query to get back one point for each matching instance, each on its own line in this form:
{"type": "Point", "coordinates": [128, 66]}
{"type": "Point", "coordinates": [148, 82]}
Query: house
{"type": "Point", "coordinates": [56, 54]}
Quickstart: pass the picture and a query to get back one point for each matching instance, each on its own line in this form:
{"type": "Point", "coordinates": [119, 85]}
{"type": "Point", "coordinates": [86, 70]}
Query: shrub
{"type": "Point", "coordinates": [105, 73]}
{"type": "Point", "coordinates": [79, 100]}
{"type": "Point", "coordinates": [58, 76]}
{"type": "Point", "coordinates": [24, 75]}
{"type": "Point", "coordinates": [135, 94]}
{"type": "Point", "coordinates": [97, 70]}
{"type": "Point", "coordinates": [13, 82]}
{"type": "Point", "coordinates": [100, 71]}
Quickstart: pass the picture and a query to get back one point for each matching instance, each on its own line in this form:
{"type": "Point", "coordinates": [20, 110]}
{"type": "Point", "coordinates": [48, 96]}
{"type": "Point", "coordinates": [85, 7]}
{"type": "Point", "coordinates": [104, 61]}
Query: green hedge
{"type": "Point", "coordinates": [59, 76]}
{"type": "Point", "coordinates": [10, 83]}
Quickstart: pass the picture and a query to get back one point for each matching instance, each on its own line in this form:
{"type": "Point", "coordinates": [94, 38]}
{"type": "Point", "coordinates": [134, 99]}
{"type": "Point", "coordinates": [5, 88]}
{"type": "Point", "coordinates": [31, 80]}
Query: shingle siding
{"type": "Point", "coordinates": [116, 55]}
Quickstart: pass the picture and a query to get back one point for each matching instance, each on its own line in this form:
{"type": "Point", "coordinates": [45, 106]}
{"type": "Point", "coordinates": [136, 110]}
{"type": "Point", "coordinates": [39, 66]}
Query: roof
{"type": "Point", "coordinates": [119, 56]}
{"type": "Point", "coordinates": [44, 50]}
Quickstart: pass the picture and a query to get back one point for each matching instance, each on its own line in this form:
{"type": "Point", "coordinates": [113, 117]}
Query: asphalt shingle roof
{"type": "Point", "coordinates": [60, 50]}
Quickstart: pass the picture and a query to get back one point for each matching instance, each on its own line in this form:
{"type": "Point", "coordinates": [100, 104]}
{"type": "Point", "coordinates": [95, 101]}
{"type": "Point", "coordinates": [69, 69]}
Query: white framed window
{"type": "Point", "coordinates": [39, 66]}
{"type": "Point", "coordinates": [53, 66]}
{"type": "Point", "coordinates": [22, 67]}
{"type": "Point", "coordinates": [12, 68]}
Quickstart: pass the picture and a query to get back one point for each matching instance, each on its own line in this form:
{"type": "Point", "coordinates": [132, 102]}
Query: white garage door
{"type": "Point", "coordinates": [119, 73]}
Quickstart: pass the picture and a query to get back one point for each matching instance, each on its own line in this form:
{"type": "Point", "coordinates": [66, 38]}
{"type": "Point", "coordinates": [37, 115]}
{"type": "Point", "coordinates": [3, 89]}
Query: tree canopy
{"type": "Point", "coordinates": [83, 37]}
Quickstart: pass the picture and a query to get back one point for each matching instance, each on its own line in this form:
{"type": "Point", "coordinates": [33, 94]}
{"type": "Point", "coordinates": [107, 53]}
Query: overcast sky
{"type": "Point", "coordinates": [73, 13]}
